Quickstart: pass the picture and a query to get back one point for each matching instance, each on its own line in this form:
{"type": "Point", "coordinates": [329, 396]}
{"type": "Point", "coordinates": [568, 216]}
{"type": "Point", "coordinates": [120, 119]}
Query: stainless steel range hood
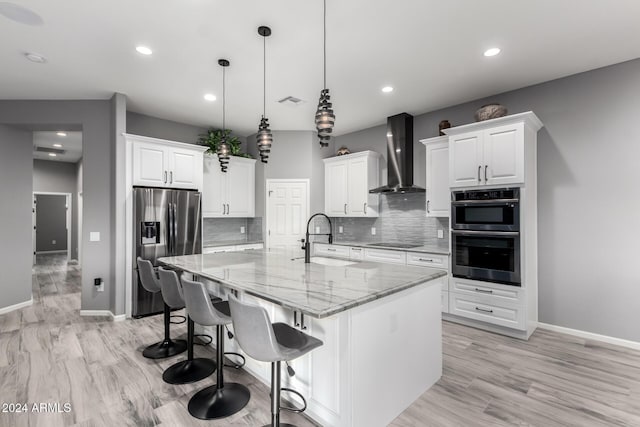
{"type": "Point", "coordinates": [399, 156]}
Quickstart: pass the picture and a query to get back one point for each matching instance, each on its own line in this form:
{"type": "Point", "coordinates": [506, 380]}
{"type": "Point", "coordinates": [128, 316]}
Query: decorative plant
{"type": "Point", "coordinates": [213, 138]}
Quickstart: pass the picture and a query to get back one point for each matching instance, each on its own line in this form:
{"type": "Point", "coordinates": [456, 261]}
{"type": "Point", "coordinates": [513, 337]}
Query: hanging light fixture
{"type": "Point", "coordinates": [223, 148]}
{"type": "Point", "coordinates": [324, 116]}
{"type": "Point", "coordinates": [264, 137]}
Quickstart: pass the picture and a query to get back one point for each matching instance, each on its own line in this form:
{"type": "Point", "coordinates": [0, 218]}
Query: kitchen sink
{"type": "Point", "coordinates": [330, 261]}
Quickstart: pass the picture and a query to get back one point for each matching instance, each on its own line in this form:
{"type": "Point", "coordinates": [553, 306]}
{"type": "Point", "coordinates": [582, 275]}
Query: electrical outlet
{"type": "Point", "coordinates": [340, 229]}
{"type": "Point", "coordinates": [317, 230]}
{"type": "Point", "coordinates": [241, 230]}
{"type": "Point", "coordinates": [373, 231]}
{"type": "Point", "coordinates": [440, 234]}
{"type": "Point", "coordinates": [53, 242]}
{"type": "Point", "coordinates": [99, 284]}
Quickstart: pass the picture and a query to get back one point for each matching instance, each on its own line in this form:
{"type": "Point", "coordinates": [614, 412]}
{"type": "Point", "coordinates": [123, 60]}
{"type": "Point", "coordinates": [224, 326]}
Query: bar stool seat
{"type": "Point", "coordinates": [267, 342]}
{"type": "Point", "coordinates": [167, 347]}
{"type": "Point", "coordinates": [192, 369]}
{"type": "Point", "coordinates": [222, 399]}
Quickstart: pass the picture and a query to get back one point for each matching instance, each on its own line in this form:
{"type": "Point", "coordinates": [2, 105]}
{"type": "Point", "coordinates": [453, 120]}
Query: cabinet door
{"type": "Point", "coordinates": [504, 154]}
{"type": "Point", "coordinates": [438, 195]}
{"type": "Point", "coordinates": [241, 188]}
{"type": "Point", "coordinates": [336, 188]}
{"type": "Point", "coordinates": [150, 165]}
{"type": "Point", "coordinates": [358, 187]}
{"type": "Point", "coordinates": [184, 168]}
{"type": "Point", "coordinates": [465, 159]}
{"type": "Point", "coordinates": [214, 188]}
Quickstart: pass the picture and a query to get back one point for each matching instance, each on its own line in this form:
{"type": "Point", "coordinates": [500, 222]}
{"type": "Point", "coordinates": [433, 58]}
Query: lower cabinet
{"type": "Point", "coordinates": [232, 248]}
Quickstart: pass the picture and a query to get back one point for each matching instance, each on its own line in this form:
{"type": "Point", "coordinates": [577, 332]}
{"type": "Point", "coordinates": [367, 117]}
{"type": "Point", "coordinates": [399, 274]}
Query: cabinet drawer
{"type": "Point", "coordinates": [330, 250]}
{"type": "Point", "coordinates": [428, 260]}
{"type": "Point", "coordinates": [249, 246]}
{"type": "Point", "coordinates": [356, 254]}
{"type": "Point", "coordinates": [487, 309]}
{"type": "Point", "coordinates": [509, 294]}
{"type": "Point", "coordinates": [445, 301]}
{"type": "Point", "coordinates": [381, 255]}
{"type": "Point", "coordinates": [217, 249]}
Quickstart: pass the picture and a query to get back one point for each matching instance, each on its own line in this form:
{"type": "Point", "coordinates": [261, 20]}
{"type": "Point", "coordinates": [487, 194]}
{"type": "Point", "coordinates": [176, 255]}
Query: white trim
{"type": "Point", "coordinates": [118, 317]}
{"type": "Point", "coordinates": [591, 336]}
{"type": "Point", "coordinates": [51, 252]}
{"type": "Point", "coordinates": [306, 181]}
{"type": "Point", "coordinates": [132, 137]}
{"type": "Point", "coordinates": [106, 313]}
{"type": "Point", "coordinates": [17, 306]}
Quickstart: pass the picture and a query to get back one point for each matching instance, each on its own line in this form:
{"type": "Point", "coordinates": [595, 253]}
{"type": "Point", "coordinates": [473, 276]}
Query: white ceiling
{"type": "Point", "coordinates": [71, 145]}
{"type": "Point", "coordinates": [430, 51]}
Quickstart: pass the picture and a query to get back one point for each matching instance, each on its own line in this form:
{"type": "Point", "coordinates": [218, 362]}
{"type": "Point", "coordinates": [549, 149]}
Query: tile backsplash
{"type": "Point", "coordinates": [220, 230]}
{"type": "Point", "coordinates": [402, 218]}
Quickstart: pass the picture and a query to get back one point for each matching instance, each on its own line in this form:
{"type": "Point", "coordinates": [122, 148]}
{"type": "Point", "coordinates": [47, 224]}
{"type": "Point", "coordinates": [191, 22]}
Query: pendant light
{"type": "Point", "coordinates": [264, 137]}
{"type": "Point", "coordinates": [223, 149]}
{"type": "Point", "coordinates": [324, 116]}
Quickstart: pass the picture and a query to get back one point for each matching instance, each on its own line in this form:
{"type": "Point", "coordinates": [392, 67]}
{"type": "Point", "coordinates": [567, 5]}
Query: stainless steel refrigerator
{"type": "Point", "coordinates": [166, 223]}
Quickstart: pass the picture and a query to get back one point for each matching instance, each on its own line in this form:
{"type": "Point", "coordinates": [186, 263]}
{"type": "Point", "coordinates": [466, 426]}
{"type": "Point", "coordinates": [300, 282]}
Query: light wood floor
{"type": "Point", "coordinates": [48, 353]}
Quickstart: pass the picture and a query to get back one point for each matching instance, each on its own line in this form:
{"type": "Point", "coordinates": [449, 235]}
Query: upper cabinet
{"type": "Point", "coordinates": [437, 168]}
{"type": "Point", "coordinates": [229, 194]}
{"type": "Point", "coordinates": [162, 163]}
{"type": "Point", "coordinates": [348, 180]}
{"type": "Point", "coordinates": [491, 152]}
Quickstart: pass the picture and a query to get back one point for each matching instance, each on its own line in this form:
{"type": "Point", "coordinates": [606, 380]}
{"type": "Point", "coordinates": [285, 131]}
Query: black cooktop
{"type": "Point", "coordinates": [395, 245]}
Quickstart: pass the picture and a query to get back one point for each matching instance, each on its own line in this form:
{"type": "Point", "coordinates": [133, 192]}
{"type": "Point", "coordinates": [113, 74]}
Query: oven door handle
{"type": "Point", "coordinates": [486, 233]}
{"type": "Point", "coordinates": [492, 202]}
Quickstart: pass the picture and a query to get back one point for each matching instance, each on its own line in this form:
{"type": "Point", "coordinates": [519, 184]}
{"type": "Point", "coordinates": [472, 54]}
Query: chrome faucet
{"type": "Point", "coordinates": [306, 245]}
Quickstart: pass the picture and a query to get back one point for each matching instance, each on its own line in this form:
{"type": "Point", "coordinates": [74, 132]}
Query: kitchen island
{"type": "Point", "coordinates": [380, 325]}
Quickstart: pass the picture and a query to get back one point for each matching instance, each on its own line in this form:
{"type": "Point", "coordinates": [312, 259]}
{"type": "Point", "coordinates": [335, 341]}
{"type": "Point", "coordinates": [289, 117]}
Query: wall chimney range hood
{"type": "Point", "coordinates": [399, 156]}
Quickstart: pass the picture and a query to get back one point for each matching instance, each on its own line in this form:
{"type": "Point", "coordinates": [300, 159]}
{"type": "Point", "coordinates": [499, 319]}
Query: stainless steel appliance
{"type": "Point", "coordinates": [485, 235]}
{"type": "Point", "coordinates": [166, 222]}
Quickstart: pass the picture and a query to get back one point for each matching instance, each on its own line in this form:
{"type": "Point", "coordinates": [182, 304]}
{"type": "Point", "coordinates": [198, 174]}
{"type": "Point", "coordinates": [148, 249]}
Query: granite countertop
{"type": "Point", "coordinates": [431, 248]}
{"type": "Point", "coordinates": [281, 277]}
{"type": "Point", "coordinates": [231, 243]}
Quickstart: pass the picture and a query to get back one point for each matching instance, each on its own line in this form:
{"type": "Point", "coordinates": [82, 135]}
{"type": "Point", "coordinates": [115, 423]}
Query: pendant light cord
{"type": "Point", "coordinates": [224, 98]}
{"type": "Point", "coordinates": [264, 76]}
{"type": "Point", "coordinates": [325, 42]}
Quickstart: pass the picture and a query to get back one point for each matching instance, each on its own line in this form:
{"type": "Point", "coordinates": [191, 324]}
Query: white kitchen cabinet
{"type": "Point", "coordinates": [228, 194]}
{"type": "Point", "coordinates": [437, 168]}
{"type": "Point", "coordinates": [162, 163]}
{"type": "Point", "coordinates": [232, 248]}
{"type": "Point", "coordinates": [491, 152]}
{"type": "Point", "coordinates": [321, 249]}
{"type": "Point", "coordinates": [348, 180]}
{"type": "Point", "coordinates": [385, 255]}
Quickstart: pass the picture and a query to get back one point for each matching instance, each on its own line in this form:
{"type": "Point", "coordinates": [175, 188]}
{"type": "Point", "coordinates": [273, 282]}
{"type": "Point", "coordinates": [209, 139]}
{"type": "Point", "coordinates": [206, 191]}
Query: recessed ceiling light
{"type": "Point", "coordinates": [34, 57]}
{"type": "Point", "coordinates": [52, 154]}
{"type": "Point", "coordinates": [57, 145]}
{"type": "Point", "coordinates": [61, 133]}
{"type": "Point", "coordinates": [387, 89]}
{"type": "Point", "coordinates": [144, 50]}
{"type": "Point", "coordinates": [210, 97]}
{"type": "Point", "coordinates": [492, 52]}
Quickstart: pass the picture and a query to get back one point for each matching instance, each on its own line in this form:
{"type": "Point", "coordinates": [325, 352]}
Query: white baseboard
{"type": "Point", "coordinates": [591, 336]}
{"type": "Point", "coordinates": [118, 317]}
{"type": "Point", "coordinates": [103, 313]}
{"type": "Point", "coordinates": [51, 252]}
{"type": "Point", "coordinates": [17, 306]}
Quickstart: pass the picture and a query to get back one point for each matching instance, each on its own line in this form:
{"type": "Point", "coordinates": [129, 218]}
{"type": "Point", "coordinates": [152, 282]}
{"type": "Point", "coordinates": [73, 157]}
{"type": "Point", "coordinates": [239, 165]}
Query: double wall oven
{"type": "Point", "coordinates": [485, 234]}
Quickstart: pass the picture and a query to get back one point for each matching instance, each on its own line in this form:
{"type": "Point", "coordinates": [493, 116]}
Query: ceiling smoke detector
{"type": "Point", "coordinates": [291, 100]}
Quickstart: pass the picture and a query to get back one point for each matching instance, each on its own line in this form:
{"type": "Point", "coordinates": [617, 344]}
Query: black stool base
{"type": "Point", "coordinates": [165, 349]}
{"type": "Point", "coordinates": [211, 402]}
{"type": "Point", "coordinates": [189, 371]}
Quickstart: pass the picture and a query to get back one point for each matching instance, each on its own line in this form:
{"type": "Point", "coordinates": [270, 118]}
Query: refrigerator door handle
{"type": "Point", "coordinates": [174, 225]}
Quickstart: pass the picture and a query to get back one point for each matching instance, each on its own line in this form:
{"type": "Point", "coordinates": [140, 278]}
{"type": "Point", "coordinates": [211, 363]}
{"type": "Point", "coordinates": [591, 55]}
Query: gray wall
{"type": "Point", "coordinates": [588, 206]}
{"type": "Point", "coordinates": [94, 117]}
{"type": "Point", "coordinates": [60, 177]}
{"type": "Point", "coordinates": [51, 223]}
{"type": "Point", "coordinates": [16, 252]}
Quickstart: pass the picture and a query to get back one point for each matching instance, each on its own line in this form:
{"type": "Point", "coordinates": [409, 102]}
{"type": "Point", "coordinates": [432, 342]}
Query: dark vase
{"type": "Point", "coordinates": [444, 124]}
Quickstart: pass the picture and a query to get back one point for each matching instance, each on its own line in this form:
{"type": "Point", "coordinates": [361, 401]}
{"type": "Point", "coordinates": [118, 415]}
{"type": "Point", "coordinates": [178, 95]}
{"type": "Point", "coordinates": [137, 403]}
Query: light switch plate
{"type": "Point", "coordinates": [373, 231]}
{"type": "Point", "coordinates": [241, 230]}
{"type": "Point", "coordinates": [340, 229]}
{"type": "Point", "coordinates": [440, 234]}
{"type": "Point", "coordinates": [94, 236]}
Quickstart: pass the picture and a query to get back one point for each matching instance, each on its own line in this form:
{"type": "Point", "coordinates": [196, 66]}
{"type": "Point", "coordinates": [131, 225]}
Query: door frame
{"type": "Point", "coordinates": [68, 216]}
{"type": "Point", "coordinates": [304, 181]}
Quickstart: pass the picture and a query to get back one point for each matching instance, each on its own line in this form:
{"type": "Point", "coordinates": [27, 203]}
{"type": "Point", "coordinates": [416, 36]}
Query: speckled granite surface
{"type": "Point", "coordinates": [313, 289]}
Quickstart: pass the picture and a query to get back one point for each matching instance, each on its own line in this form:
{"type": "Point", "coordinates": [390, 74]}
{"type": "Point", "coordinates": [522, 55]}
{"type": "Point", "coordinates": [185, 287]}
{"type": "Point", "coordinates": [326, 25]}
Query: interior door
{"type": "Point", "coordinates": [287, 204]}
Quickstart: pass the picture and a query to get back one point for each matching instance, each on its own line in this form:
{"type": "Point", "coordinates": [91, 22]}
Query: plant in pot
{"type": "Point", "coordinates": [213, 138]}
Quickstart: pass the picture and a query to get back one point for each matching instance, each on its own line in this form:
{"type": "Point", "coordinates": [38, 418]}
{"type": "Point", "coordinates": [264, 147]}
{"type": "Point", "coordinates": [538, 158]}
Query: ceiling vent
{"type": "Point", "coordinates": [291, 100]}
{"type": "Point", "coordinates": [50, 150]}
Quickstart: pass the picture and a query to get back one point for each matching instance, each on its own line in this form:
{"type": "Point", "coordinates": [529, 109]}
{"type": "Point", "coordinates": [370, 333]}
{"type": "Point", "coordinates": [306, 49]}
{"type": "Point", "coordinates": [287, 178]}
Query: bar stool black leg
{"type": "Point", "coordinates": [190, 370]}
{"type": "Point", "coordinates": [168, 347]}
{"type": "Point", "coordinates": [219, 400]}
{"type": "Point", "coordinates": [275, 397]}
